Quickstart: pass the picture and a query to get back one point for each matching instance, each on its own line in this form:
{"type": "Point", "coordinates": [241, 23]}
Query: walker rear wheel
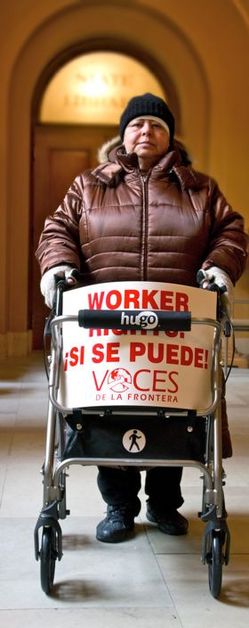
{"type": "Point", "coordinates": [215, 563]}
{"type": "Point", "coordinates": [48, 555]}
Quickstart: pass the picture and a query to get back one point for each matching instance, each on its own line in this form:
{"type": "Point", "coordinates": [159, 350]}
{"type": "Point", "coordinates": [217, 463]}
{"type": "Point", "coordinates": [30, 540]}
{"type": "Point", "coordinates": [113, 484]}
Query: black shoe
{"type": "Point", "coordinates": [170, 522]}
{"type": "Point", "coordinates": [118, 524]}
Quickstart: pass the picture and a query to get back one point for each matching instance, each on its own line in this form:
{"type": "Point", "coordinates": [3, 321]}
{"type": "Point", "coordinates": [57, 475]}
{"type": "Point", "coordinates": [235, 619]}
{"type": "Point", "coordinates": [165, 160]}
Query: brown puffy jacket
{"type": "Point", "coordinates": [117, 225]}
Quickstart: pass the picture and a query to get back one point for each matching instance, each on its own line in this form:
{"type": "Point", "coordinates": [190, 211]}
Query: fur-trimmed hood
{"type": "Point", "coordinates": [106, 148]}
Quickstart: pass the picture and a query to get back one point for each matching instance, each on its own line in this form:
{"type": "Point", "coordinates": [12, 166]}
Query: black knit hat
{"type": "Point", "coordinates": [147, 105]}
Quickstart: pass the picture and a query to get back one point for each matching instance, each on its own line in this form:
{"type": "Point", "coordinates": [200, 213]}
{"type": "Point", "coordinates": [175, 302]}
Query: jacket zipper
{"type": "Point", "coordinates": [144, 243]}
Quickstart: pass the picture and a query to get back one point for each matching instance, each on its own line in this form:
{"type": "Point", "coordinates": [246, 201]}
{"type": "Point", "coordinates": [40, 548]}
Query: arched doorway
{"type": "Point", "coordinates": [74, 114]}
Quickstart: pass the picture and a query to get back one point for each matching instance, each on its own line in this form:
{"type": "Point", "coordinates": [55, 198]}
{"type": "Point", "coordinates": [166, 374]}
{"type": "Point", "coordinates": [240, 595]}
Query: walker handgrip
{"type": "Point", "coordinates": [135, 319]}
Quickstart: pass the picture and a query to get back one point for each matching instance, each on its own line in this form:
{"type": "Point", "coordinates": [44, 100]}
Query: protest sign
{"type": "Point", "coordinates": [121, 367]}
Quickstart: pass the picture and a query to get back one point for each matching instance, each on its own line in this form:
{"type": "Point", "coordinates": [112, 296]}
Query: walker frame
{"type": "Point", "coordinates": [48, 533]}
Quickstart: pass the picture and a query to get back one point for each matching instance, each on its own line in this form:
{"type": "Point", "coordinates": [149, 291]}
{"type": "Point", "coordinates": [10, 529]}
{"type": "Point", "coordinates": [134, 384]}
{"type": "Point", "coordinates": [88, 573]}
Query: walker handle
{"type": "Point", "coordinates": [148, 320]}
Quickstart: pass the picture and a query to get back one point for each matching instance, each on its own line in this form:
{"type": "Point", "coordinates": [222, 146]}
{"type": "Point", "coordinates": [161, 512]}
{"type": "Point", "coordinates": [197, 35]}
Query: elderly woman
{"type": "Point", "coordinates": [144, 214]}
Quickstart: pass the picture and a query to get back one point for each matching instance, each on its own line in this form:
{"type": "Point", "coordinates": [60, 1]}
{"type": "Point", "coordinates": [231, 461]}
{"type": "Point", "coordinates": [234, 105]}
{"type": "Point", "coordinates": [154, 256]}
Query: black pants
{"type": "Point", "coordinates": [162, 485]}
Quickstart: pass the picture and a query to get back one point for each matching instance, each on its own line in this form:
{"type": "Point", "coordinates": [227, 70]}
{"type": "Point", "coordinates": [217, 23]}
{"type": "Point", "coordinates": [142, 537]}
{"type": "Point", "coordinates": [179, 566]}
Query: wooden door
{"type": "Point", "coordinates": [60, 153]}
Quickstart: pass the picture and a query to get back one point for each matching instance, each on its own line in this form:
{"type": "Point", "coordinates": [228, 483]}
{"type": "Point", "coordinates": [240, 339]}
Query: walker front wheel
{"type": "Point", "coordinates": [215, 563]}
{"type": "Point", "coordinates": [48, 555]}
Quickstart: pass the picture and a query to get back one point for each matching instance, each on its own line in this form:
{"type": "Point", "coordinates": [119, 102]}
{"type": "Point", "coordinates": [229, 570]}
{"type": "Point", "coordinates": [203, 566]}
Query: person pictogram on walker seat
{"type": "Point", "coordinates": [134, 438]}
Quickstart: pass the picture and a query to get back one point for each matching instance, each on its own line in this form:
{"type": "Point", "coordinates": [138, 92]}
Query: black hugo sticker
{"type": "Point", "coordinates": [134, 441]}
{"type": "Point", "coordinates": [145, 319]}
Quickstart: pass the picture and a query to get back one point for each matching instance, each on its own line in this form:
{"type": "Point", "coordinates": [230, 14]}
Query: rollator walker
{"type": "Point", "coordinates": [135, 379]}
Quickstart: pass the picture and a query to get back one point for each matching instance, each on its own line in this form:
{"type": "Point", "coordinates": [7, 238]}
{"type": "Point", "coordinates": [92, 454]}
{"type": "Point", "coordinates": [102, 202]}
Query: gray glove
{"type": "Point", "coordinates": [47, 284]}
{"type": "Point", "coordinates": [215, 275]}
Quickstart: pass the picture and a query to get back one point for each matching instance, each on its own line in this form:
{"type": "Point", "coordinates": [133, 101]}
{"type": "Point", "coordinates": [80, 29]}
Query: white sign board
{"type": "Point", "coordinates": [103, 367]}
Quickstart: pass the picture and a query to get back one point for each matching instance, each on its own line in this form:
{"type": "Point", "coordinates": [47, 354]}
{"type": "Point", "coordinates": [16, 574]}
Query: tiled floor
{"type": "Point", "coordinates": [149, 581]}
